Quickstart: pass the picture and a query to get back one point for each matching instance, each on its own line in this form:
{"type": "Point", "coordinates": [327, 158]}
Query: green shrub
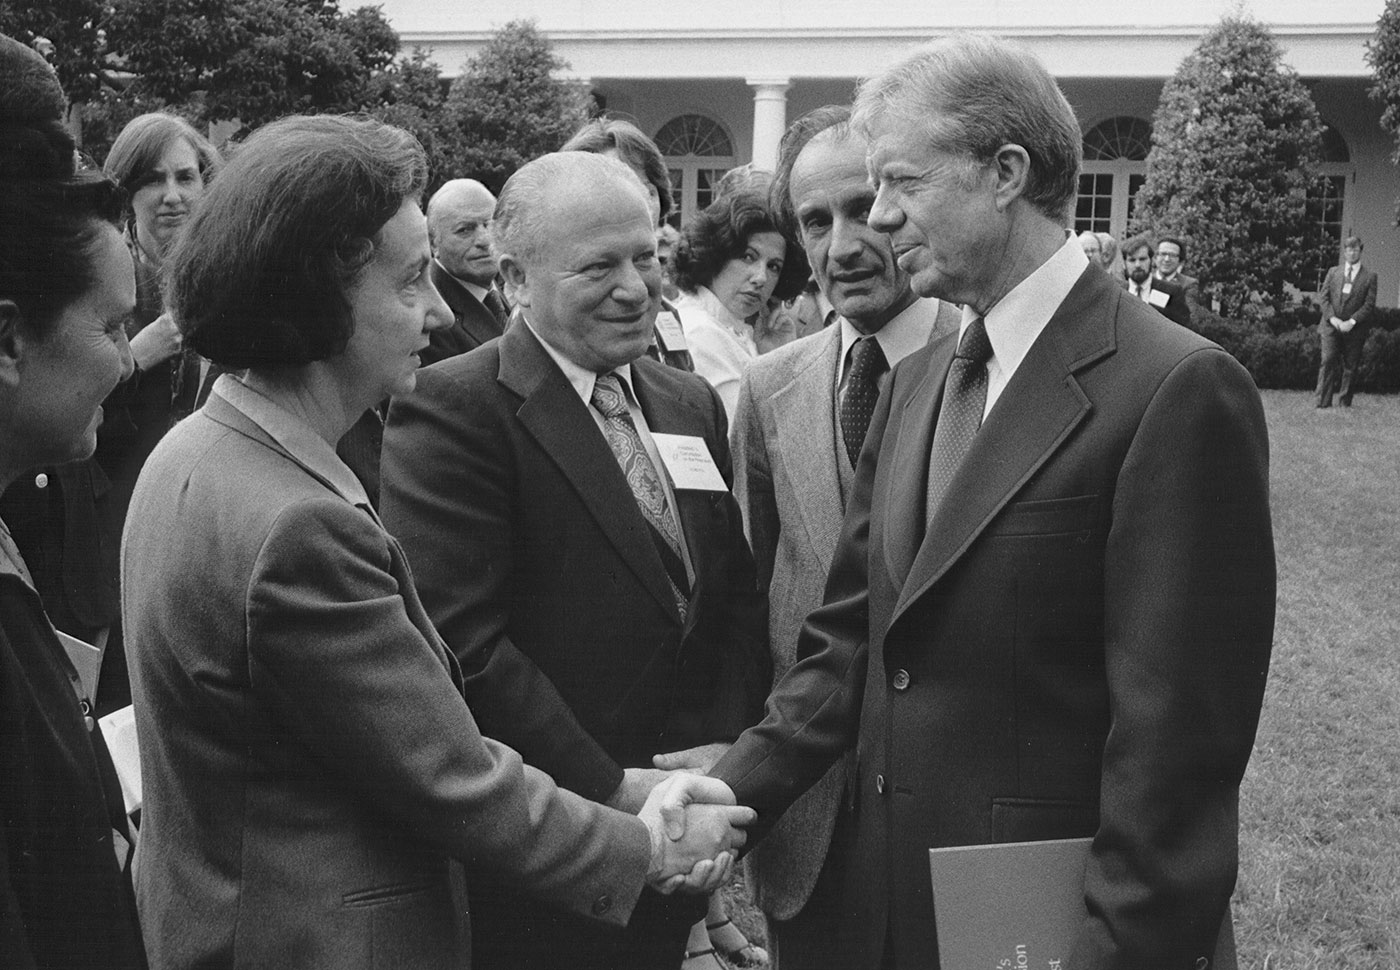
{"type": "Point", "coordinates": [1282, 351]}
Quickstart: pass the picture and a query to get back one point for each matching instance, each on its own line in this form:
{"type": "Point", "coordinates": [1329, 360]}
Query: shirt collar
{"type": "Point", "coordinates": [1019, 317]}
{"type": "Point", "coordinates": [474, 289]}
{"type": "Point", "coordinates": [901, 336]}
{"type": "Point", "coordinates": [581, 379]}
{"type": "Point", "coordinates": [294, 435]}
{"type": "Point", "coordinates": [711, 304]}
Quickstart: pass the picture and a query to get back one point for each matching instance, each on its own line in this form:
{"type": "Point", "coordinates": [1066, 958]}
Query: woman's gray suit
{"type": "Point", "coordinates": [314, 780]}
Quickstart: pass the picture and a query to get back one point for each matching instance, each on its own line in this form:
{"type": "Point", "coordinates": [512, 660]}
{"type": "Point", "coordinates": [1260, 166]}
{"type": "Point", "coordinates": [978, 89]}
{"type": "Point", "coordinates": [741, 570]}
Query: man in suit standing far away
{"type": "Point", "coordinates": [1051, 606]}
{"type": "Point", "coordinates": [596, 589]}
{"type": "Point", "coordinates": [801, 420]}
{"type": "Point", "coordinates": [1348, 300]}
{"type": "Point", "coordinates": [464, 268]}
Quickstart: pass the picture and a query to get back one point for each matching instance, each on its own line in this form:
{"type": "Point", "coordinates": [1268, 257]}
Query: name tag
{"type": "Point", "coordinates": [1157, 298]}
{"type": "Point", "coordinates": [669, 332]}
{"type": "Point", "coordinates": [688, 462]}
{"type": "Point", "coordinates": [1346, 288]}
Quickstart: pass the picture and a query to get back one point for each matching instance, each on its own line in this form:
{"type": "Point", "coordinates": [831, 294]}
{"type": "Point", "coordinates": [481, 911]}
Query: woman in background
{"type": "Point", "coordinates": [730, 262]}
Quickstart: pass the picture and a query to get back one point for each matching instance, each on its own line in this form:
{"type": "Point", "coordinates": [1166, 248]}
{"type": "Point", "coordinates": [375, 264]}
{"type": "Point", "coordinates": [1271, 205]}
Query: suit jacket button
{"type": "Point", "coordinates": [602, 904]}
{"type": "Point", "coordinates": [901, 679]}
{"type": "Point", "coordinates": [880, 784]}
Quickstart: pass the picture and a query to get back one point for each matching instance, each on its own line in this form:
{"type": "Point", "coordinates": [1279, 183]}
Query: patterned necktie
{"type": "Point", "coordinates": [642, 478]}
{"type": "Point", "coordinates": [959, 417]}
{"type": "Point", "coordinates": [493, 302]}
{"type": "Point", "coordinates": [862, 391]}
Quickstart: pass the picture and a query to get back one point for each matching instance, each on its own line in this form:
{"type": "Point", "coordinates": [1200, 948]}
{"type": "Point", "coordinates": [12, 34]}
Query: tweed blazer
{"type": "Point", "coordinates": [791, 477]}
{"type": "Point", "coordinates": [314, 781]}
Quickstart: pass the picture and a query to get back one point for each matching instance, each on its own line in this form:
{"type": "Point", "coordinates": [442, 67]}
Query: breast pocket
{"type": "Point", "coordinates": [1074, 516]}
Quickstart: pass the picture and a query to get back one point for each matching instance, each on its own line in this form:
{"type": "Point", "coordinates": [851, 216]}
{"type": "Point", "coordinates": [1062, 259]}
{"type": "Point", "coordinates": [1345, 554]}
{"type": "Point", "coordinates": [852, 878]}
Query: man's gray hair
{"type": "Point", "coordinates": [521, 225]}
{"type": "Point", "coordinates": [972, 93]}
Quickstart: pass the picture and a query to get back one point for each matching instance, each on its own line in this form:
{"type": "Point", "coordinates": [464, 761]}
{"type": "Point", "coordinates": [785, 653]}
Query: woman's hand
{"type": "Point", "coordinates": [772, 330]}
{"type": "Point", "coordinates": [157, 341]}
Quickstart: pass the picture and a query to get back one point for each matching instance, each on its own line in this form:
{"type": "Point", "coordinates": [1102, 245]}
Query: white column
{"type": "Point", "coordinates": [769, 119]}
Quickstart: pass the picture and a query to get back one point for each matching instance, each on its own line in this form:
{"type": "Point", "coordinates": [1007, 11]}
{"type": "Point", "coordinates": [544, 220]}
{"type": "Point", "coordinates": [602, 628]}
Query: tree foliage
{"type": "Point", "coordinates": [251, 60]}
{"type": "Point", "coordinates": [1236, 142]}
{"type": "Point", "coordinates": [1383, 55]}
{"type": "Point", "coordinates": [73, 27]}
{"type": "Point", "coordinates": [508, 107]}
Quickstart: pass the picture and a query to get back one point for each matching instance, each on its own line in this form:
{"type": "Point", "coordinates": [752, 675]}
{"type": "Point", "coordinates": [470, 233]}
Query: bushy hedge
{"type": "Point", "coordinates": [1282, 351]}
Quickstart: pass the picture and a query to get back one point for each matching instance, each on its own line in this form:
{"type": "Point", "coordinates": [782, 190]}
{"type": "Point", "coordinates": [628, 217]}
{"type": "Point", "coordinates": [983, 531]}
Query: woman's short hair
{"type": "Point", "coordinates": [633, 148]}
{"type": "Point", "coordinates": [721, 231]}
{"type": "Point", "coordinates": [138, 149]}
{"type": "Point", "coordinates": [48, 236]}
{"type": "Point", "coordinates": [258, 278]}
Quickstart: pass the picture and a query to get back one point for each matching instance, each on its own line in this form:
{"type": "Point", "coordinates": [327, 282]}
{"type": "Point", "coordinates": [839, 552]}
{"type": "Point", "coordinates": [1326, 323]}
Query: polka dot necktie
{"type": "Point", "coordinates": [964, 399]}
{"type": "Point", "coordinates": [862, 391]}
{"type": "Point", "coordinates": [626, 444]}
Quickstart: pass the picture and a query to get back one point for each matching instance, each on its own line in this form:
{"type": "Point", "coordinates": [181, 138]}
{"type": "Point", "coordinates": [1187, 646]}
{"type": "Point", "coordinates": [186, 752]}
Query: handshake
{"type": "Point", "coordinates": [696, 832]}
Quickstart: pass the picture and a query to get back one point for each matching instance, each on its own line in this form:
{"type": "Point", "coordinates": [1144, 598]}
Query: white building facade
{"type": "Point", "coordinates": [716, 84]}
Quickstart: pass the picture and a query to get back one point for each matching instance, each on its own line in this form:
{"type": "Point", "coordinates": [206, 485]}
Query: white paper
{"type": "Point", "coordinates": [119, 731]}
{"type": "Point", "coordinates": [1157, 298]}
{"type": "Point", "coordinates": [688, 462]}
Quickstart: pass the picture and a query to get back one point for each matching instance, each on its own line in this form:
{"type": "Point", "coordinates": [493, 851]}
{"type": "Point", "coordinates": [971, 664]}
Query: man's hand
{"type": "Point", "coordinates": [637, 785]}
{"type": "Point", "coordinates": [692, 821]}
{"type": "Point", "coordinates": [1345, 325]}
{"type": "Point", "coordinates": [700, 759]}
{"type": "Point", "coordinates": [156, 341]}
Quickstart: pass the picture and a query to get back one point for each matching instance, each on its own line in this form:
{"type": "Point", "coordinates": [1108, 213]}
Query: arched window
{"type": "Point", "coordinates": [1115, 166]}
{"type": "Point", "coordinates": [1327, 202]}
{"type": "Point", "coordinates": [698, 151]}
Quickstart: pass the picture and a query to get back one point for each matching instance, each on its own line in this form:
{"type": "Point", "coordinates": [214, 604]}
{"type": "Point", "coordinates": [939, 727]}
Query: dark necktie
{"type": "Point", "coordinates": [959, 417]}
{"type": "Point", "coordinates": [493, 302]}
{"type": "Point", "coordinates": [643, 479]}
{"type": "Point", "coordinates": [862, 391]}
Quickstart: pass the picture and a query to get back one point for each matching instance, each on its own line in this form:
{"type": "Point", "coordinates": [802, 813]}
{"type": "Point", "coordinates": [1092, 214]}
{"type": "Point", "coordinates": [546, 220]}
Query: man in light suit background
{"type": "Point", "coordinates": [464, 268]}
{"type": "Point", "coordinates": [1050, 611]}
{"type": "Point", "coordinates": [593, 631]}
{"type": "Point", "coordinates": [1348, 300]}
{"type": "Point", "coordinates": [801, 419]}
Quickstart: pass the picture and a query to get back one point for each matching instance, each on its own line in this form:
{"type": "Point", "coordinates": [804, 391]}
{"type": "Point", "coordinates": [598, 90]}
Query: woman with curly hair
{"type": "Point", "coordinates": [730, 263]}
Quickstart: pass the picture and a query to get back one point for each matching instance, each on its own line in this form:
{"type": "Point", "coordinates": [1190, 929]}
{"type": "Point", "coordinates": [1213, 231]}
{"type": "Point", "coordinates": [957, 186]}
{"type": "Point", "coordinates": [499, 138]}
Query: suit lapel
{"type": "Point", "coordinates": [476, 322]}
{"type": "Point", "coordinates": [911, 429]}
{"type": "Point", "coordinates": [804, 415]}
{"type": "Point", "coordinates": [1032, 418]}
{"type": "Point", "coordinates": [553, 415]}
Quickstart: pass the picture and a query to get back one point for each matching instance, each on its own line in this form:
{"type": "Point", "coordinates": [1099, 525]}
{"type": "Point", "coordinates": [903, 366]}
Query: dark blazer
{"type": "Point", "coordinates": [536, 565]}
{"type": "Point", "coordinates": [1360, 303]}
{"type": "Point", "coordinates": [1077, 646]}
{"type": "Point", "coordinates": [313, 779]}
{"type": "Point", "coordinates": [1190, 286]}
{"type": "Point", "coordinates": [473, 324]}
{"type": "Point", "coordinates": [1176, 309]}
{"type": "Point", "coordinates": [64, 900]}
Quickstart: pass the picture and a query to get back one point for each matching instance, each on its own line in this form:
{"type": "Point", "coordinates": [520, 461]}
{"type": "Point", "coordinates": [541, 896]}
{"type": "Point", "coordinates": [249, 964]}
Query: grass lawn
{"type": "Point", "coordinates": [1320, 807]}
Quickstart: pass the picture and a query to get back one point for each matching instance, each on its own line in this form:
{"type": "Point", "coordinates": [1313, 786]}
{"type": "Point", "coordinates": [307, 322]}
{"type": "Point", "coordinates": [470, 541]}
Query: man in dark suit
{"type": "Point", "coordinates": [1348, 300]}
{"type": "Point", "coordinates": [802, 416]}
{"type": "Point", "coordinates": [464, 268]}
{"type": "Point", "coordinates": [1050, 611]}
{"type": "Point", "coordinates": [596, 589]}
{"type": "Point", "coordinates": [1169, 299]}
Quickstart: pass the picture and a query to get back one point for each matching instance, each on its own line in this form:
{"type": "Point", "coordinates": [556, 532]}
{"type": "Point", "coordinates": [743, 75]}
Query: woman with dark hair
{"type": "Point", "coordinates": [66, 292]}
{"type": "Point", "coordinates": [313, 778]}
{"type": "Point", "coordinates": [730, 262]}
